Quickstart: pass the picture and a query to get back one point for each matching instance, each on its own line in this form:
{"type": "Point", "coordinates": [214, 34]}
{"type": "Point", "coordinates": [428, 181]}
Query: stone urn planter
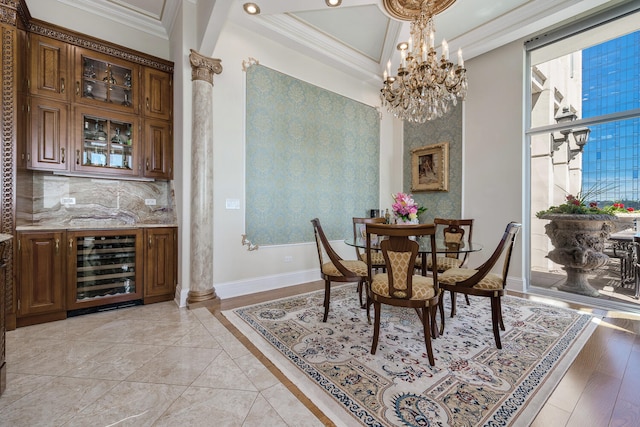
{"type": "Point", "coordinates": [578, 240]}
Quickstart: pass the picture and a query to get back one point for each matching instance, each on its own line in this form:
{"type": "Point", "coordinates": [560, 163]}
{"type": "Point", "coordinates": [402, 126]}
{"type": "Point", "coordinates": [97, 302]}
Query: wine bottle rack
{"type": "Point", "coordinates": [105, 268]}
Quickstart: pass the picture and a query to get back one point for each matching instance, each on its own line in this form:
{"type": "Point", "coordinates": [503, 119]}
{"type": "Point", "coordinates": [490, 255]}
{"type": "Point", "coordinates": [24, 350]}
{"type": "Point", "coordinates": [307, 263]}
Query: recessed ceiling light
{"type": "Point", "coordinates": [251, 8]}
{"type": "Point", "coordinates": [333, 3]}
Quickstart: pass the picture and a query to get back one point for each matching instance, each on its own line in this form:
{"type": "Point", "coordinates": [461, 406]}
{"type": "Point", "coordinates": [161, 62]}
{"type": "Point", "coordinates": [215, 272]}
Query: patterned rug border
{"type": "Point", "coordinates": [545, 376]}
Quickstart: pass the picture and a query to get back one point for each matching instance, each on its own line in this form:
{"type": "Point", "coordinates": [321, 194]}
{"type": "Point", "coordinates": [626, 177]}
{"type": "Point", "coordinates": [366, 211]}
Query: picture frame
{"type": "Point", "coordinates": [430, 168]}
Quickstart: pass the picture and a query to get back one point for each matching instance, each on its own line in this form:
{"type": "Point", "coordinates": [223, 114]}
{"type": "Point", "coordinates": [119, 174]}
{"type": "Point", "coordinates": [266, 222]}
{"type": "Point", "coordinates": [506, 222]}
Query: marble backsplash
{"type": "Point", "coordinates": [44, 200]}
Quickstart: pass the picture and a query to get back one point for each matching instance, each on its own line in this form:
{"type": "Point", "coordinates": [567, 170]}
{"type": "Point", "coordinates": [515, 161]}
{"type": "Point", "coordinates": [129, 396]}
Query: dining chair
{"type": "Point", "coordinates": [453, 234]}
{"type": "Point", "coordinates": [481, 282]}
{"type": "Point", "coordinates": [335, 269]}
{"type": "Point", "coordinates": [377, 260]}
{"type": "Point", "coordinates": [399, 286]}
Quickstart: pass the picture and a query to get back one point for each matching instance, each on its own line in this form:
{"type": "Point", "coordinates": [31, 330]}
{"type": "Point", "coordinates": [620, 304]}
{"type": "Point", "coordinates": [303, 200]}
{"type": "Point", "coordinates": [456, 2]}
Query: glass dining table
{"type": "Point", "coordinates": [424, 249]}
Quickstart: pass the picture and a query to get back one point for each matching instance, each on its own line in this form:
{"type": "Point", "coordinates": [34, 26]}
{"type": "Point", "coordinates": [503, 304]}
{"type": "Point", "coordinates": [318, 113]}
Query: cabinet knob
{"type": "Point", "coordinates": [147, 164]}
{"type": "Point", "coordinates": [62, 159]}
{"type": "Point", "coordinates": [150, 241]}
{"type": "Point", "coordinates": [70, 244]}
{"type": "Point", "coordinates": [57, 246]}
{"type": "Point", "coordinates": [77, 88]}
{"type": "Point", "coordinates": [77, 157]}
{"type": "Point", "coordinates": [62, 85]}
{"type": "Point", "coordinates": [147, 102]}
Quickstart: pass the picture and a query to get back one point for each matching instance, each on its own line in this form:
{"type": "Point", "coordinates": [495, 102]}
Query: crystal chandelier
{"type": "Point", "coordinates": [426, 86]}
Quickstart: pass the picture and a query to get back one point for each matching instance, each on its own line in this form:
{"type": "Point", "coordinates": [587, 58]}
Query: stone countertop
{"type": "Point", "coordinates": [5, 237]}
{"type": "Point", "coordinates": [93, 225]}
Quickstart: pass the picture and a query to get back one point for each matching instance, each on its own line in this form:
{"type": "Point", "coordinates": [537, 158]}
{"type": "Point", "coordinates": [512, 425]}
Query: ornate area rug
{"type": "Point", "coordinates": [472, 384]}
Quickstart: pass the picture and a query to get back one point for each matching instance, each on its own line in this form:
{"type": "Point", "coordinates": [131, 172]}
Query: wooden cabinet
{"type": "Point", "coordinates": [158, 94]}
{"type": "Point", "coordinates": [161, 261]}
{"type": "Point", "coordinates": [74, 271]}
{"type": "Point", "coordinates": [107, 143]}
{"type": "Point", "coordinates": [40, 284]}
{"type": "Point", "coordinates": [106, 82]}
{"type": "Point", "coordinates": [48, 105]}
{"type": "Point", "coordinates": [93, 113]}
{"type": "Point", "coordinates": [104, 267]}
{"type": "Point", "coordinates": [48, 121]}
{"type": "Point", "coordinates": [49, 76]}
{"type": "Point", "coordinates": [158, 150]}
{"type": "Point", "coordinates": [4, 255]}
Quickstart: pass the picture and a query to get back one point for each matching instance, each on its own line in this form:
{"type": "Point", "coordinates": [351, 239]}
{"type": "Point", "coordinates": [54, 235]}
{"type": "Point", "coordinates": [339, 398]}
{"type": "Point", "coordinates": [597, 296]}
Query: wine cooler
{"type": "Point", "coordinates": [104, 268]}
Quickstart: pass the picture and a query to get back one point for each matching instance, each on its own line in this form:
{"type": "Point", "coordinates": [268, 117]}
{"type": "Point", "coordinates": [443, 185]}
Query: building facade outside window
{"type": "Point", "coordinates": [588, 79]}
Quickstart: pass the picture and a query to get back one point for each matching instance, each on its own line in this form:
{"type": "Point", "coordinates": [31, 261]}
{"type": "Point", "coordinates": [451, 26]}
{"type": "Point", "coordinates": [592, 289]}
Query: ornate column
{"type": "Point", "coordinates": [201, 286]}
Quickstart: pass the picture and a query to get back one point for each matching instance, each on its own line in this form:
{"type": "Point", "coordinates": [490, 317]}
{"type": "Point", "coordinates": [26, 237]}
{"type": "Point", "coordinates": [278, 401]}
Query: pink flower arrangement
{"type": "Point", "coordinates": [405, 208]}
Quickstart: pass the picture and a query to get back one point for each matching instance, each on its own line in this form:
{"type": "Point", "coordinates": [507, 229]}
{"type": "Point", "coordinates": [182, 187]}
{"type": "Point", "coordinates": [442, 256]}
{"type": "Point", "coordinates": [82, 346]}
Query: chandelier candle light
{"type": "Point", "coordinates": [425, 87]}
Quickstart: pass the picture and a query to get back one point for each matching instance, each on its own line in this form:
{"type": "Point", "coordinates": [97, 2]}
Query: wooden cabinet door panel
{"type": "Point", "coordinates": [157, 94]}
{"type": "Point", "coordinates": [41, 260]}
{"type": "Point", "coordinates": [49, 68]}
{"type": "Point", "coordinates": [49, 125]}
{"type": "Point", "coordinates": [158, 162]}
{"type": "Point", "coordinates": [160, 262]}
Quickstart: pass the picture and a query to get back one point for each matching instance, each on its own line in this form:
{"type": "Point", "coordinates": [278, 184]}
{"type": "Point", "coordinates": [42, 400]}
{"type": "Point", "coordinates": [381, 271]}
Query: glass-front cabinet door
{"type": "Point", "coordinates": [106, 144]}
{"type": "Point", "coordinates": [103, 80]}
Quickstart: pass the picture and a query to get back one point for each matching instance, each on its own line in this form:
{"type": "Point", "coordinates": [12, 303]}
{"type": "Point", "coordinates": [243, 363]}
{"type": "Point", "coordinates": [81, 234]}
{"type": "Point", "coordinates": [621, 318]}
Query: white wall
{"type": "Point", "coordinates": [493, 150]}
{"type": "Point", "coordinates": [237, 270]}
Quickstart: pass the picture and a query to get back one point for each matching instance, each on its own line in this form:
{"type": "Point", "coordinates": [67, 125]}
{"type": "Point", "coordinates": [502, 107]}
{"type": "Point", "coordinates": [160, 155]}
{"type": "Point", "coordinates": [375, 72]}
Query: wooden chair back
{"type": "Point", "coordinates": [324, 247]}
{"type": "Point", "coordinates": [453, 233]}
{"type": "Point", "coordinates": [504, 246]}
{"type": "Point", "coordinates": [359, 230]}
{"type": "Point", "coordinates": [400, 252]}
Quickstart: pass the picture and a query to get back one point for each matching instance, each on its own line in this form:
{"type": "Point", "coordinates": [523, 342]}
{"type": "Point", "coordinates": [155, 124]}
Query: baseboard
{"type": "Point", "coordinates": [257, 284]}
{"type": "Point", "coordinates": [265, 283]}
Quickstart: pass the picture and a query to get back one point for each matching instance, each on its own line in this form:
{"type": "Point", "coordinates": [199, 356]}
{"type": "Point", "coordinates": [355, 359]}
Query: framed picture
{"type": "Point", "coordinates": [430, 168]}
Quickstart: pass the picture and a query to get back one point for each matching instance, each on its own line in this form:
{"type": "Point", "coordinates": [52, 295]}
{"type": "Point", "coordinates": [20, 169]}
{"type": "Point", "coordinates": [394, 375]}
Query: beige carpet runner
{"type": "Point", "coordinates": [472, 383]}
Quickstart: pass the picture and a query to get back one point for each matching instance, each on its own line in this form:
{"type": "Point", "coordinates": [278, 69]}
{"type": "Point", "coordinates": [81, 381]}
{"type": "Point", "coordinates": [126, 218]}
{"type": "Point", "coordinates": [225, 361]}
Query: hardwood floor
{"type": "Point", "coordinates": [601, 388]}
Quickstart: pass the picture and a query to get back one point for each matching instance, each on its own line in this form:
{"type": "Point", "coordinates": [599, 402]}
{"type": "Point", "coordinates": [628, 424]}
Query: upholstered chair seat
{"type": "Point", "coordinates": [358, 268]}
{"type": "Point", "coordinates": [453, 275]}
{"type": "Point", "coordinates": [422, 287]}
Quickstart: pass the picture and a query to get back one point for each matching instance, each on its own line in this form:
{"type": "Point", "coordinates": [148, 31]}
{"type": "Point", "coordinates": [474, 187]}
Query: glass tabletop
{"type": "Point", "coordinates": [425, 245]}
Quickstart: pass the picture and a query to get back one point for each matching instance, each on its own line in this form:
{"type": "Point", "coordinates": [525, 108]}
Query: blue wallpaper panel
{"type": "Point", "coordinates": [309, 153]}
{"type": "Point", "coordinates": [442, 204]}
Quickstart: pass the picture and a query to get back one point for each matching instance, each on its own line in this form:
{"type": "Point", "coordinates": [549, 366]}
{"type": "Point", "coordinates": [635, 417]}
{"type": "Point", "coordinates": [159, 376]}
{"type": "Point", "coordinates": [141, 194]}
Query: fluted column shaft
{"type": "Point", "coordinates": [201, 287]}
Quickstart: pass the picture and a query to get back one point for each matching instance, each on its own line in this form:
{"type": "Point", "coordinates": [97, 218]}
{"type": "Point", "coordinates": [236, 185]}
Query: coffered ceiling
{"type": "Point", "coordinates": [359, 36]}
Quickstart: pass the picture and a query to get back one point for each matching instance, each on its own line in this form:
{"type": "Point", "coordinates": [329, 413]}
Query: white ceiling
{"type": "Point", "coordinates": [357, 37]}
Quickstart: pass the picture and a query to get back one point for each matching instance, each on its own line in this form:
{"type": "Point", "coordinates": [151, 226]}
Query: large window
{"type": "Point", "coordinates": [584, 121]}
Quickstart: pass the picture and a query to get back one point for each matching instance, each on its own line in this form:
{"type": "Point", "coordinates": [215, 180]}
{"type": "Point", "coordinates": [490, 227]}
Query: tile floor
{"type": "Point", "coordinates": [153, 365]}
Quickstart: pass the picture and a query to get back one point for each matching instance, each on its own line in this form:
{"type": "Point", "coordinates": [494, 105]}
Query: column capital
{"type": "Point", "coordinates": [203, 68]}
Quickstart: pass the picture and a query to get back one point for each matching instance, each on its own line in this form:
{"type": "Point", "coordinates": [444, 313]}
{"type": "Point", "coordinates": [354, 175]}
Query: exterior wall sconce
{"type": "Point", "coordinates": [580, 135]}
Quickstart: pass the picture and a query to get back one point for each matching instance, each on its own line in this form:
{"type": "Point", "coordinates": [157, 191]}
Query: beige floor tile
{"type": "Point", "coordinates": [58, 358]}
{"type": "Point", "coordinates": [201, 406]}
{"type": "Point", "coordinates": [20, 386]}
{"type": "Point", "coordinates": [262, 414]}
{"type": "Point", "coordinates": [116, 362]}
{"type": "Point", "coordinates": [259, 375]}
{"type": "Point", "coordinates": [198, 336]}
{"type": "Point", "coordinates": [224, 373]}
{"type": "Point", "coordinates": [57, 403]}
{"type": "Point", "coordinates": [290, 409]}
{"type": "Point", "coordinates": [175, 365]}
{"type": "Point", "coordinates": [129, 403]}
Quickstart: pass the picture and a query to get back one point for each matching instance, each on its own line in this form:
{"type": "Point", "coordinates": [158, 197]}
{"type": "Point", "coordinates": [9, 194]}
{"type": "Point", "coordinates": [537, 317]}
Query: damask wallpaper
{"type": "Point", "coordinates": [309, 153]}
{"type": "Point", "coordinates": [442, 204]}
